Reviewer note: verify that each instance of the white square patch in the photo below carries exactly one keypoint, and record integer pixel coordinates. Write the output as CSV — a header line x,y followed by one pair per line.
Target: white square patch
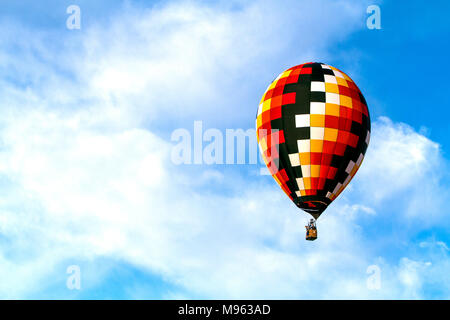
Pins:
x,y
318,86
317,108
350,166
302,120
295,159
306,171
330,79
304,145
317,133
338,74
331,97
368,137
300,184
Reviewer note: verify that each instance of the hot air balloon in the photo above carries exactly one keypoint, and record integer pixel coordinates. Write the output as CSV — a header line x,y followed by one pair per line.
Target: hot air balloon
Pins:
x,y
313,129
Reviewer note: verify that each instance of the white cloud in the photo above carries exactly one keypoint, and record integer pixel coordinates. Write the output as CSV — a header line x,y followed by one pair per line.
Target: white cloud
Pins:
x,y
86,171
404,154
402,164
172,64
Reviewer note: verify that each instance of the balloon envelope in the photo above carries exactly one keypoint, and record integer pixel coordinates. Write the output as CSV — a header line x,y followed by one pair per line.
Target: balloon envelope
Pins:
x,y
313,129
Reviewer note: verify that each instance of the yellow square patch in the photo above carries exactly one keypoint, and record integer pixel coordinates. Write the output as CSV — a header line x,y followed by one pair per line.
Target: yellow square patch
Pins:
x,y
332,109
346,101
305,158
272,85
317,120
331,87
285,74
259,122
266,105
307,183
342,82
316,145
315,171
331,134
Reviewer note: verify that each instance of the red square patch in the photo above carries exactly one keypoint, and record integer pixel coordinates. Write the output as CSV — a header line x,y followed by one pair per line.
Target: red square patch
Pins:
x,y
288,98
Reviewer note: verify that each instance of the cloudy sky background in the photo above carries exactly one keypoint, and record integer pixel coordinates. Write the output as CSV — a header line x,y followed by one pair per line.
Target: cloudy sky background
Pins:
x,y
86,176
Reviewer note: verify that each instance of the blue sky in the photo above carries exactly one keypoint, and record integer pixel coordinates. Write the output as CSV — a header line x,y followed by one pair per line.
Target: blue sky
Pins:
x,y
86,176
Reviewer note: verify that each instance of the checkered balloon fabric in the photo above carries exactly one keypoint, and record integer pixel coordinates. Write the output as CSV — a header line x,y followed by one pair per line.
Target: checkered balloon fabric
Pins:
x,y
313,129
